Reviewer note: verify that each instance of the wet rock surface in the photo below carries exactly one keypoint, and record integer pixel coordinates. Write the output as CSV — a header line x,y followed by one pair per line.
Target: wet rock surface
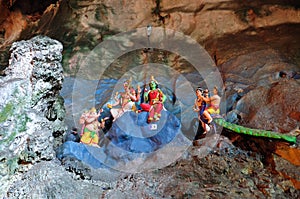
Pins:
x,y
32,112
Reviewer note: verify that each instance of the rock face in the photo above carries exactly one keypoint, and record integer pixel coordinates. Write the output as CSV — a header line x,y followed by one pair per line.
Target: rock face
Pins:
x,y
49,180
217,175
32,112
257,95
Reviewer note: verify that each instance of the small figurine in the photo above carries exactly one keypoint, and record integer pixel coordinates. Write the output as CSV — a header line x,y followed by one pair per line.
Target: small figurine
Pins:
x,y
155,99
90,127
200,106
126,100
214,103
105,119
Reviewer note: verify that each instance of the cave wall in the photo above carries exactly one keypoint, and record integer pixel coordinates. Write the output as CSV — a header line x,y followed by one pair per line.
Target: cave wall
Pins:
x,y
80,25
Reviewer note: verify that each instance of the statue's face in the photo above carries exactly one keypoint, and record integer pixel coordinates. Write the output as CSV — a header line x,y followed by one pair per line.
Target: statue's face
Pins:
x,y
152,85
93,113
132,90
198,93
215,91
125,85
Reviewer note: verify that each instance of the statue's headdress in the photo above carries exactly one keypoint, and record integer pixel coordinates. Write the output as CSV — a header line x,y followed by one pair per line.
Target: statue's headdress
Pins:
x,y
199,89
128,82
152,79
93,110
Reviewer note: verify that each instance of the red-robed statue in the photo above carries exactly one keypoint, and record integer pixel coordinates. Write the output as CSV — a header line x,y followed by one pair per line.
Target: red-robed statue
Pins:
x,y
155,99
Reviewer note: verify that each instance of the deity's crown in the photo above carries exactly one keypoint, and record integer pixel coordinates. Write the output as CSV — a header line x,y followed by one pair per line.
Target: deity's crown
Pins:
x,y
152,79
93,110
128,81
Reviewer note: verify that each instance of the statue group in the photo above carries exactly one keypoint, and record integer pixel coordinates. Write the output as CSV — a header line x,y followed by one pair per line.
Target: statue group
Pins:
x,y
129,99
151,100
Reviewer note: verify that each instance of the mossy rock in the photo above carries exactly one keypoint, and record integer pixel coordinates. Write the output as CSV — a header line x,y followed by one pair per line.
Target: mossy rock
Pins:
x,y
6,112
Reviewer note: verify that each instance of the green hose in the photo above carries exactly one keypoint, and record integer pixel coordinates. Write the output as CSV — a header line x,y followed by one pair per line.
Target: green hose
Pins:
x,y
254,132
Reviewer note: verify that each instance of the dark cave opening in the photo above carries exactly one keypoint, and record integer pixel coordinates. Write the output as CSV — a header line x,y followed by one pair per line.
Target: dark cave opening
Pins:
x,y
28,7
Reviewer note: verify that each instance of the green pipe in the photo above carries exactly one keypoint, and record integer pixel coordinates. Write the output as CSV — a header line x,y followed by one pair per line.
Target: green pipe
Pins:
x,y
254,132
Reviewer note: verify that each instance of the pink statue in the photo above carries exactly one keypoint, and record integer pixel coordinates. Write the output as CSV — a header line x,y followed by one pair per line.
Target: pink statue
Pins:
x,y
126,100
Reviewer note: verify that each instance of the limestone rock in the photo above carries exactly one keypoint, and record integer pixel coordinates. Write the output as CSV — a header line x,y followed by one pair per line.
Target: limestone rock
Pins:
x,y
233,175
49,180
256,96
32,113
272,107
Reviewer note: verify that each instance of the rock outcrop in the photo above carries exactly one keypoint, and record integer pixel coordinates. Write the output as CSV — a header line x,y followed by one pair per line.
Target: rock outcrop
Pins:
x,y
32,112
49,180
257,95
227,172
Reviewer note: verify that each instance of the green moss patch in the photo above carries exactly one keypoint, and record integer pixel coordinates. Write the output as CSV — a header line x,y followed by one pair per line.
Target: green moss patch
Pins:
x,y
6,112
